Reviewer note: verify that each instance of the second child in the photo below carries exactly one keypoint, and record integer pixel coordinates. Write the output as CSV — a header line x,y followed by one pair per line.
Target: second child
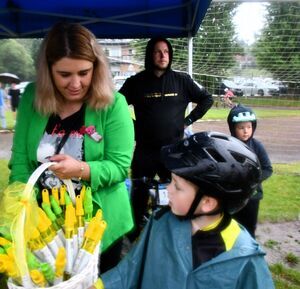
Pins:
x,y
242,123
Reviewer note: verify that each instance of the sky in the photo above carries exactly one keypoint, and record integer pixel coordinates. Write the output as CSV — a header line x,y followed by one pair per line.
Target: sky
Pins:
x,y
249,20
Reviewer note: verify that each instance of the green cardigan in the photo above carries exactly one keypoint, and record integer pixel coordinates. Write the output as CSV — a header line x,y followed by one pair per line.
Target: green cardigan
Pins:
x,y
109,160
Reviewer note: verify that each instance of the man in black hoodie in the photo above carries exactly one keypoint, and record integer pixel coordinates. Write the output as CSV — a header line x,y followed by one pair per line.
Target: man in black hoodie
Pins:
x,y
160,97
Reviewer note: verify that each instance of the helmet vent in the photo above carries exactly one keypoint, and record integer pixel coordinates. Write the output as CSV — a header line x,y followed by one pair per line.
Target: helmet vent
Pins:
x,y
190,158
215,155
238,157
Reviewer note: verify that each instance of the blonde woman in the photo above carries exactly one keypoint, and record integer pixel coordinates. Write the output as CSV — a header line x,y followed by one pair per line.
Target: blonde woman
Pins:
x,y
72,116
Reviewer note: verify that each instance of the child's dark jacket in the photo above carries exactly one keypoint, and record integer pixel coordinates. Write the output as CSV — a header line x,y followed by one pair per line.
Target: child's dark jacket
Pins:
x,y
265,163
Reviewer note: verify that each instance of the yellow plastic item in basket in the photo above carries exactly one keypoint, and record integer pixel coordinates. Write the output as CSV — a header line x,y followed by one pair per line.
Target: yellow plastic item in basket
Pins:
x,y
19,212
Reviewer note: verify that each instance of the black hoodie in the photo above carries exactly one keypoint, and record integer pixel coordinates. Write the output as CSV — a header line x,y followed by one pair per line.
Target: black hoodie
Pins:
x,y
160,102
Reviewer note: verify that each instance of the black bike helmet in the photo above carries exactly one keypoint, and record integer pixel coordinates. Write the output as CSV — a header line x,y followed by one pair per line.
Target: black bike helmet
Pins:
x,y
241,113
220,165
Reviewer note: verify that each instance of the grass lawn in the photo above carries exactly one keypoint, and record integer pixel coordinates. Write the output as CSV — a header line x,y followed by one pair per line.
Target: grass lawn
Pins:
x,y
265,101
9,119
261,112
281,200
222,113
280,102
4,175
285,278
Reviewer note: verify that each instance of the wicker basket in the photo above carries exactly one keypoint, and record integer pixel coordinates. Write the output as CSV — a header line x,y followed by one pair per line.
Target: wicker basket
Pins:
x,y
86,277
83,280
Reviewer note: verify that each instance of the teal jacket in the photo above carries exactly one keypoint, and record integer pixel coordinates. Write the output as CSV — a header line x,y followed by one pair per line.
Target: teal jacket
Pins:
x,y
162,259
109,160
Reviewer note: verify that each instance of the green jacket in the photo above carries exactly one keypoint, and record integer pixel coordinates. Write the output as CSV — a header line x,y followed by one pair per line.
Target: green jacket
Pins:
x,y
109,159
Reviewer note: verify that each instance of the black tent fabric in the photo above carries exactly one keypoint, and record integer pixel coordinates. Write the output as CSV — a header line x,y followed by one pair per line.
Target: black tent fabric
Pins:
x,y
106,19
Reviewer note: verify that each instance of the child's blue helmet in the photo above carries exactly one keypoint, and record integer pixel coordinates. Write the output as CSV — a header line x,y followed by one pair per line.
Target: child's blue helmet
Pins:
x,y
220,165
241,113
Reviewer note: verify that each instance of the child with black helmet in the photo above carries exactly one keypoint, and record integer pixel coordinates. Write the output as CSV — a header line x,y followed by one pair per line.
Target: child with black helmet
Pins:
x,y
242,123
196,243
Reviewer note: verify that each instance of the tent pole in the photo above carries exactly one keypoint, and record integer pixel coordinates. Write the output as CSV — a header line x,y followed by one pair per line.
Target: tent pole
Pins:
x,y
190,64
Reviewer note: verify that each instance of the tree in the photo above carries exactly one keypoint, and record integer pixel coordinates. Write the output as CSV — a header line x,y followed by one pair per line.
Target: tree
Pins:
x,y
278,49
32,46
216,43
15,59
214,46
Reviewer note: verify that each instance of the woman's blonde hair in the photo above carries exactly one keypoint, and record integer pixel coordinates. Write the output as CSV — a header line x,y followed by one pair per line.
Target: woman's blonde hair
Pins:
x,y
74,41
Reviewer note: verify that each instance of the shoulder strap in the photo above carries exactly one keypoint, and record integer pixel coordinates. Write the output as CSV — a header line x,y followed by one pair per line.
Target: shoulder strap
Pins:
x,y
62,142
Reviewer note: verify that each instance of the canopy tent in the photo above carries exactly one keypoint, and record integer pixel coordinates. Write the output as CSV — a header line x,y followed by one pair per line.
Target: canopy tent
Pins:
x,y
106,19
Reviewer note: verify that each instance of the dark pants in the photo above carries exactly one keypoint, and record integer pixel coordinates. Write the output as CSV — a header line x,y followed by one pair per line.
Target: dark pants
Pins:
x,y
146,163
248,216
111,257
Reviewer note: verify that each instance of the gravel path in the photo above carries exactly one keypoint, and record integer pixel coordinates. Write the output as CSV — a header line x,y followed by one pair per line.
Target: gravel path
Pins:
x,y
6,138
278,240
280,136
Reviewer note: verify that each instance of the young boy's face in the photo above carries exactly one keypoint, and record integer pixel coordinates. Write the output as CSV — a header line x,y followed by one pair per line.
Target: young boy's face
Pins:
x,y
243,130
181,195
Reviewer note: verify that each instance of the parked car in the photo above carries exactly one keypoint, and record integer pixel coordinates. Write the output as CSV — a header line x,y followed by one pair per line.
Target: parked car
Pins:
x,y
252,88
235,88
283,88
119,81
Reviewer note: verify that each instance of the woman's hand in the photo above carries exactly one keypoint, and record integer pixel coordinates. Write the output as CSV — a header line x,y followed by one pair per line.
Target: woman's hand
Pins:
x,y
67,167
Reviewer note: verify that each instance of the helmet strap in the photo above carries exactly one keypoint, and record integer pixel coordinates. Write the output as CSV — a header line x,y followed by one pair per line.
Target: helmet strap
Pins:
x,y
191,213
194,205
